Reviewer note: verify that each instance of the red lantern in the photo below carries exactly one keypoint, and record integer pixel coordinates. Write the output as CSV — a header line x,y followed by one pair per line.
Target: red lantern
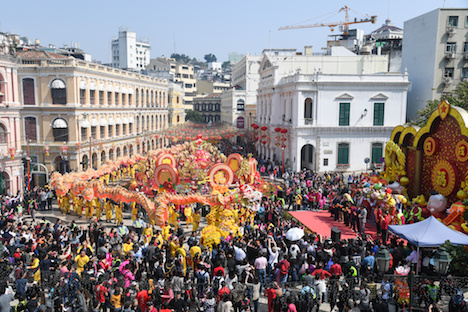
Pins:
x,y
264,128
277,129
12,153
284,131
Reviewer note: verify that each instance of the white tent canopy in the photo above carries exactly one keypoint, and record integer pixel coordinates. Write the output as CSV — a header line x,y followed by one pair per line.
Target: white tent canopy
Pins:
x,y
429,233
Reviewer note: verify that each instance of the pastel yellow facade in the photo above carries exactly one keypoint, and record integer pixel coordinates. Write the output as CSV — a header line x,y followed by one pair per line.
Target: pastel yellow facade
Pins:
x,y
176,105
75,110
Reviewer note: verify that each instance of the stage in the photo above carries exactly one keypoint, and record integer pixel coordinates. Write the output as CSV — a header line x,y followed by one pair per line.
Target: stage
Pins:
x,y
321,222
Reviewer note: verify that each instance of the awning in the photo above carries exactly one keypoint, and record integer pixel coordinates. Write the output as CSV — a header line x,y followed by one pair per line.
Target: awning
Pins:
x,y
110,88
103,122
117,89
124,90
92,86
58,84
94,122
102,87
118,121
85,124
59,123
111,121
125,121
83,85
130,90
131,120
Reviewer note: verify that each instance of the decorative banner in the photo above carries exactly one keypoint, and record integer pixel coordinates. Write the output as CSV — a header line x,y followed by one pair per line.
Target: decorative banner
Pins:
x,y
166,173
64,150
444,108
166,158
444,177
47,151
12,153
461,151
430,146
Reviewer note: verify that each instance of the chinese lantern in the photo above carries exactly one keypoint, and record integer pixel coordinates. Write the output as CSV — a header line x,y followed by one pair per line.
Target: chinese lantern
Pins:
x,y
284,131
47,151
78,146
278,129
12,153
264,128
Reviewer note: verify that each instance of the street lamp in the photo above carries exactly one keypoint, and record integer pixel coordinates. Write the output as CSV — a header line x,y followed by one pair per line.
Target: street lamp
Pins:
x,y
441,261
382,259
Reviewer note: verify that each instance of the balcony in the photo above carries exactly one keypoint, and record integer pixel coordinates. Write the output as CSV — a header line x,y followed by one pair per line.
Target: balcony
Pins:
x,y
308,121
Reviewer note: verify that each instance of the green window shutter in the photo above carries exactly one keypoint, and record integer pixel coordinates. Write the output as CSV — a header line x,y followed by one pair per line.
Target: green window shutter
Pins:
x,y
344,114
377,151
379,110
343,154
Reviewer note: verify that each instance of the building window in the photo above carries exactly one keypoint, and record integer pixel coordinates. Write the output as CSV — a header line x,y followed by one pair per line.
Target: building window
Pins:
x,y
343,154
379,113
448,72
93,132
102,132
130,99
344,114
101,97
59,92
240,105
109,98
28,92
464,73
452,21
377,150
109,131
82,96
3,135
466,21
325,161
117,130
137,123
451,47
117,97
30,128
92,95
60,130
308,108
83,134
465,47
130,128
203,107
124,129
137,96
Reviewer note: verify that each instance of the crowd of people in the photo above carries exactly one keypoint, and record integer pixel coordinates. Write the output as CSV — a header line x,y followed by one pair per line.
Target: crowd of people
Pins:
x,y
61,266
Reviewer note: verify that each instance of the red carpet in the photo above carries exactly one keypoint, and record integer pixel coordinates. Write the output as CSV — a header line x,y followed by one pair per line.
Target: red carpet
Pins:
x,y
321,222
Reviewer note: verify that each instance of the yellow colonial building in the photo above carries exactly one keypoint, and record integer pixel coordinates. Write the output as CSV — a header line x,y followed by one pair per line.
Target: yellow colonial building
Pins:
x,y
75,110
176,104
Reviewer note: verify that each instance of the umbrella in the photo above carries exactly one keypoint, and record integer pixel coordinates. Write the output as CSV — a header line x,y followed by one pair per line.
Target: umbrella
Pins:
x,y
294,234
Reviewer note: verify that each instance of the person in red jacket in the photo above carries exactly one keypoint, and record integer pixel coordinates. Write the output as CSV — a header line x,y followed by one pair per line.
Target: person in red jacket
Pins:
x,y
385,221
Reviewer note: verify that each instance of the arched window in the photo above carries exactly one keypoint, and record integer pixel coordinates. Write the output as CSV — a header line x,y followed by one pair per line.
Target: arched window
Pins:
x,y
111,154
137,97
59,92
30,128
137,124
125,151
29,97
60,130
2,88
3,134
118,152
308,108
103,157
84,162
240,105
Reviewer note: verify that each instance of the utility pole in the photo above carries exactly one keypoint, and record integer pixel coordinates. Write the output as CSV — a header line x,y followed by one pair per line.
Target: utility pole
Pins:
x,y
28,159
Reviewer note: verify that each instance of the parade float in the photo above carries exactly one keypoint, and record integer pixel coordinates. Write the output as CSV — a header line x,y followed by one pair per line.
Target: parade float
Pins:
x,y
163,180
429,165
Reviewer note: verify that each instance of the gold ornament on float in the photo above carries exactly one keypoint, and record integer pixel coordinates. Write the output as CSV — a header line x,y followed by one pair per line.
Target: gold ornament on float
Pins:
x,y
443,177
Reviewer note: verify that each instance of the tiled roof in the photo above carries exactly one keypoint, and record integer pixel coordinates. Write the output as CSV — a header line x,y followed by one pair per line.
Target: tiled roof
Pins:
x,y
34,54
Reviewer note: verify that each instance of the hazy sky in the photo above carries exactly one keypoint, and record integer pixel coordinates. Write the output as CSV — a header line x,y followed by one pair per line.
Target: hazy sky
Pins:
x,y
197,27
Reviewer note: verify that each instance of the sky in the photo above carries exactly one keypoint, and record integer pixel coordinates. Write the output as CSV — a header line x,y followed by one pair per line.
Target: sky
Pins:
x,y
198,27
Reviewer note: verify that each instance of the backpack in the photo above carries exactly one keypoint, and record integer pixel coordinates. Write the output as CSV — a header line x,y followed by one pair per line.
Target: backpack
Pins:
x,y
458,299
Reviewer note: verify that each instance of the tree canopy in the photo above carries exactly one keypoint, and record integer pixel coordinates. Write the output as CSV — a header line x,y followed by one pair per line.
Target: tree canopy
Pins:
x,y
192,115
210,58
458,97
182,58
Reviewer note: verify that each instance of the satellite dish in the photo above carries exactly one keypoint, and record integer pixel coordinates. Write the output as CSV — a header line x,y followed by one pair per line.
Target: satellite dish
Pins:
x,y
367,160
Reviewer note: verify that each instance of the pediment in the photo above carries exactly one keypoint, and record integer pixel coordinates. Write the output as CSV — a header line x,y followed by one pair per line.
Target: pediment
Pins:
x,y
345,96
379,96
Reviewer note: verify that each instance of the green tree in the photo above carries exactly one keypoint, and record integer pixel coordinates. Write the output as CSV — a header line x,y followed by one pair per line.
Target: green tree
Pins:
x,y
192,115
226,64
458,97
459,264
182,58
210,58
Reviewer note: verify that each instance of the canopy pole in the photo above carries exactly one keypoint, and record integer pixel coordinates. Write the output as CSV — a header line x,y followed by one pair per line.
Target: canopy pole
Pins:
x,y
417,260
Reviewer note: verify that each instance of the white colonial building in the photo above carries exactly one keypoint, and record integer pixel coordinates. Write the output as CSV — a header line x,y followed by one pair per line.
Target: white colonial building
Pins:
x,y
239,104
338,110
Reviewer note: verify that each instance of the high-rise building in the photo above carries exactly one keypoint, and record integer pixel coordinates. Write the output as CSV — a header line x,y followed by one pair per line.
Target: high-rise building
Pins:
x,y
130,53
435,54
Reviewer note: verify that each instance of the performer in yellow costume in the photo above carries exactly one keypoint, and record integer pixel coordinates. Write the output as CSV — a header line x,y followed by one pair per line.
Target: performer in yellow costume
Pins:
x,y
173,216
148,233
108,211
165,231
134,211
118,213
182,257
132,171
188,215
195,221
113,175
98,209
78,204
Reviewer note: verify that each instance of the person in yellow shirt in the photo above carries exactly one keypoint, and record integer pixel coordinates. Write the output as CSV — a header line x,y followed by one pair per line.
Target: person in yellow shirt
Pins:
x,y
128,245
173,246
165,231
182,257
147,233
159,239
188,215
195,221
134,211
35,268
84,246
118,213
108,211
81,260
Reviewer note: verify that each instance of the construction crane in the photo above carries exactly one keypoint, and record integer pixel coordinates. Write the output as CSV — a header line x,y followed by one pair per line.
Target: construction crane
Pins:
x,y
345,24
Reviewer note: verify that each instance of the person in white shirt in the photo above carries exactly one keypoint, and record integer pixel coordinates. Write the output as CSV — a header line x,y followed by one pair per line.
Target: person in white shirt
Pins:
x,y
274,254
